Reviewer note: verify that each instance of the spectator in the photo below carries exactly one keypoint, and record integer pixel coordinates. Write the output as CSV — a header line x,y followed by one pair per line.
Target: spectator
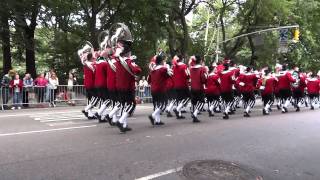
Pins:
x,y
27,85
40,87
16,86
71,82
142,87
5,82
47,76
53,87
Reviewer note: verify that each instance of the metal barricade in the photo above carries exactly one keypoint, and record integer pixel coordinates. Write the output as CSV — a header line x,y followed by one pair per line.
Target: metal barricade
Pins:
x,y
143,95
38,96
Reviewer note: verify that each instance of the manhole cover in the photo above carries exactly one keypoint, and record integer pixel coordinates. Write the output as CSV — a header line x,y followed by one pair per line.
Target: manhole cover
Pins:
x,y
217,170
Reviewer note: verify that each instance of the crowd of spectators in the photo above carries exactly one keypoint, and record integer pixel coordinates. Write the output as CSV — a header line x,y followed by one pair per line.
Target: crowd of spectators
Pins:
x,y
44,89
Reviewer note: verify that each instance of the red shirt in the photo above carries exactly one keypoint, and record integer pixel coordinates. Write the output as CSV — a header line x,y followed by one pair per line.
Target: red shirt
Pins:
x,y
100,80
157,78
313,85
124,80
213,85
180,76
198,77
268,83
285,80
12,86
226,81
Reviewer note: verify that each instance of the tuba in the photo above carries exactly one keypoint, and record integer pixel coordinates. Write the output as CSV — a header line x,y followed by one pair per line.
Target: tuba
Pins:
x,y
86,48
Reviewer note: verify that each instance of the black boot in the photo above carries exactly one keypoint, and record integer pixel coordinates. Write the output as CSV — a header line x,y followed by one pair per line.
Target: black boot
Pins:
x,y
151,120
195,119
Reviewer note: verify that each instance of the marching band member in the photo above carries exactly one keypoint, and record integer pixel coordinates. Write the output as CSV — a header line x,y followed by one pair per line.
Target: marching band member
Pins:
x,y
213,90
198,78
284,84
157,76
267,84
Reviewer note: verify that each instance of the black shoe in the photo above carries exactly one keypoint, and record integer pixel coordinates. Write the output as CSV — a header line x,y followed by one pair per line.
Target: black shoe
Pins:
x,y
98,116
85,113
110,120
211,114
127,128
181,117
176,112
225,115
270,110
264,112
278,107
286,109
159,123
298,109
195,119
169,114
246,114
151,120
91,117
312,108
120,126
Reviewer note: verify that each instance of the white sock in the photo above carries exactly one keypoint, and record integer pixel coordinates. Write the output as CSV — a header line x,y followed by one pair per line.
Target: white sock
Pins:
x,y
179,107
114,118
157,111
266,108
123,119
211,108
299,104
90,113
114,111
169,108
102,108
227,109
195,113
248,109
286,104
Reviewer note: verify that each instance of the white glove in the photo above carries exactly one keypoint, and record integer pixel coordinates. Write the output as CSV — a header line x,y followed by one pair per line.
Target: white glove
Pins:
x,y
241,84
262,87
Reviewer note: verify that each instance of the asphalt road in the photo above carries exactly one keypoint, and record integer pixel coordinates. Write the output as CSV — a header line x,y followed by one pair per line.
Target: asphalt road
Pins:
x,y
60,144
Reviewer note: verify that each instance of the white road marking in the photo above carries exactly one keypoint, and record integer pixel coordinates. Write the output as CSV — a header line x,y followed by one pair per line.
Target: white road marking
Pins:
x,y
37,114
159,174
62,119
46,130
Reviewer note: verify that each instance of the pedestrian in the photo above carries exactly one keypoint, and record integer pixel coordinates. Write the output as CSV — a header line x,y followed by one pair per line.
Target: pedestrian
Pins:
x,y
71,82
5,92
53,88
27,86
16,87
40,87
142,86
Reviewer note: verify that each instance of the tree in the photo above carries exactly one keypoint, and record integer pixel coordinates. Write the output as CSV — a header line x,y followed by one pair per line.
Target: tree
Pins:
x,y
5,36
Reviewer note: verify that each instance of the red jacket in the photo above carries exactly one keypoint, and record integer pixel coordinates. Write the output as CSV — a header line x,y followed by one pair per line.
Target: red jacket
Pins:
x,y
284,80
111,76
180,76
100,76
247,82
124,80
213,85
158,79
19,85
226,81
268,83
313,86
198,77
88,80
169,83
302,84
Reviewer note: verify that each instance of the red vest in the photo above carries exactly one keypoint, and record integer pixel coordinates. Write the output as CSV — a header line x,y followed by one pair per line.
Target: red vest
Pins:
x,y
198,77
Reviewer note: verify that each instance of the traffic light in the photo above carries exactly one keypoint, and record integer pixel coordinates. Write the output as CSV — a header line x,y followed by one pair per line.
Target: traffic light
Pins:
x,y
296,35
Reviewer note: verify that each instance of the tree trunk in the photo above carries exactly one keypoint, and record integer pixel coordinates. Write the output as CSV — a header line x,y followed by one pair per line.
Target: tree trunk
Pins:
x,y
30,52
185,42
93,31
5,36
253,51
